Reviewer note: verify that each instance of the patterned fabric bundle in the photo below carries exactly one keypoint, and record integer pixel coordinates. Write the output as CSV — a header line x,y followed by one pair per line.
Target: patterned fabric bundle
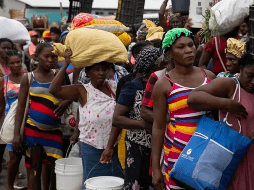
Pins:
x,y
146,59
82,19
173,35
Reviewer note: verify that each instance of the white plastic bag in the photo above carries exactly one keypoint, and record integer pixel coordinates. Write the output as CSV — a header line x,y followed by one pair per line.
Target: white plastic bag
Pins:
x,y
229,14
7,130
13,30
75,151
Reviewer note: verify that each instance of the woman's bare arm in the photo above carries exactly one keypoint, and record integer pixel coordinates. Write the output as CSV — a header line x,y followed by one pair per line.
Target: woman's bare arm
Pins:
x,y
71,92
216,95
163,20
121,119
160,109
204,59
23,93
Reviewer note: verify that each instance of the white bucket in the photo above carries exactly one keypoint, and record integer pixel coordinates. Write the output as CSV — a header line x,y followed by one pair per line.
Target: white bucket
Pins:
x,y
69,174
104,183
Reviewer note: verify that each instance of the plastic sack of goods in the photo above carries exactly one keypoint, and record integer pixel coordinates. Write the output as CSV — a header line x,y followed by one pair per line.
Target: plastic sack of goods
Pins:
x,y
90,46
228,14
13,30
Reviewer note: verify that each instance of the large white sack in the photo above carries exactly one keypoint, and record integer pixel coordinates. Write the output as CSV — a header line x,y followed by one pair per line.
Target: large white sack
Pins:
x,y
229,14
13,30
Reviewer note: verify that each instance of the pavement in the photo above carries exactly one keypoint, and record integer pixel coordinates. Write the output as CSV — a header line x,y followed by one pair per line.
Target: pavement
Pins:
x,y
3,175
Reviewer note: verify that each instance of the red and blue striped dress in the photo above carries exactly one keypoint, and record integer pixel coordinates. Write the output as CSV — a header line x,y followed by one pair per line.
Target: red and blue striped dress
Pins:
x,y
42,126
183,123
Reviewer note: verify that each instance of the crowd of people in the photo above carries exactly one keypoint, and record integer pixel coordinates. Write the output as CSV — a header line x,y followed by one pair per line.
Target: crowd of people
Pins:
x,y
132,120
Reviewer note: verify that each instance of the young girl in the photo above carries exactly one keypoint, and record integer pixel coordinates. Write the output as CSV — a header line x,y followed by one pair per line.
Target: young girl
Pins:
x,y
5,46
42,132
9,86
170,95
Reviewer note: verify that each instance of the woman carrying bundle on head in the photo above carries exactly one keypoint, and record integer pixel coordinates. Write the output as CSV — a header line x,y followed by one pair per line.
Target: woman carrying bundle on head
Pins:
x,y
96,106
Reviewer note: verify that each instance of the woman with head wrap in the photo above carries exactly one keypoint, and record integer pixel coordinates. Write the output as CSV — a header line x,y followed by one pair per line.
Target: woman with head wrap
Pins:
x,y
217,44
234,51
127,116
170,95
142,32
63,36
96,106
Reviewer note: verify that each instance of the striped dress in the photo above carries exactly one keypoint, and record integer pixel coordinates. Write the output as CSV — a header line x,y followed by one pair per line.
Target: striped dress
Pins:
x,y
183,123
42,127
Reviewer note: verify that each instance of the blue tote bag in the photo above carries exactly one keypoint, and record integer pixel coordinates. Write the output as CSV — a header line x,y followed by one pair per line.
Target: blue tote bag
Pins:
x,y
211,157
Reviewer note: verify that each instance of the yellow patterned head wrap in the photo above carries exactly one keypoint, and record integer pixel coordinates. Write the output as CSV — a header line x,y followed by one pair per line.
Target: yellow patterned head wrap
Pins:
x,y
235,47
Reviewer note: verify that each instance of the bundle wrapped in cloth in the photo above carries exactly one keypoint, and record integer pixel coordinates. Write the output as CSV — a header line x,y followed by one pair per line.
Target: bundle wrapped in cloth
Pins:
x,y
90,46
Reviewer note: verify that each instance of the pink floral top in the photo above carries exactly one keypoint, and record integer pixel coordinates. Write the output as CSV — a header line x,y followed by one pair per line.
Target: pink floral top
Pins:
x,y
8,71
96,116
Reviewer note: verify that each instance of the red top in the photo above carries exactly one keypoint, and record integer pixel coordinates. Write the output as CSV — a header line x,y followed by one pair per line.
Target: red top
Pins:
x,y
244,174
147,99
211,48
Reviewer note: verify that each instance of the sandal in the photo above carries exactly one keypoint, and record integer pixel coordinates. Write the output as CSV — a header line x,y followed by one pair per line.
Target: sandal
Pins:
x,y
19,185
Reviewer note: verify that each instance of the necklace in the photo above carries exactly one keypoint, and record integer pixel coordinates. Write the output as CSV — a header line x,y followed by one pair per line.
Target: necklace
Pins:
x,y
41,79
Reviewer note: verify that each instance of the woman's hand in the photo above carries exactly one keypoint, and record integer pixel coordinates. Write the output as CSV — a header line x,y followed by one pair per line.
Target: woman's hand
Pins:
x,y
158,180
67,56
252,137
16,143
74,137
62,106
106,156
236,109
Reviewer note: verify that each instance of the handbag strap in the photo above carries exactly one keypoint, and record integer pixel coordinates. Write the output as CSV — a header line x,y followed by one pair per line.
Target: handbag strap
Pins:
x,y
29,75
6,88
2,69
217,50
239,100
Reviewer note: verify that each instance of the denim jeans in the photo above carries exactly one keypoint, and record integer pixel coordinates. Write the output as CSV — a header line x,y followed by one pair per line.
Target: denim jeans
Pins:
x,y
90,159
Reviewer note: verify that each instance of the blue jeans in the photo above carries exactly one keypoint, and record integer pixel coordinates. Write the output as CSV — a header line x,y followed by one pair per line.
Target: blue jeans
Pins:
x,y
91,157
